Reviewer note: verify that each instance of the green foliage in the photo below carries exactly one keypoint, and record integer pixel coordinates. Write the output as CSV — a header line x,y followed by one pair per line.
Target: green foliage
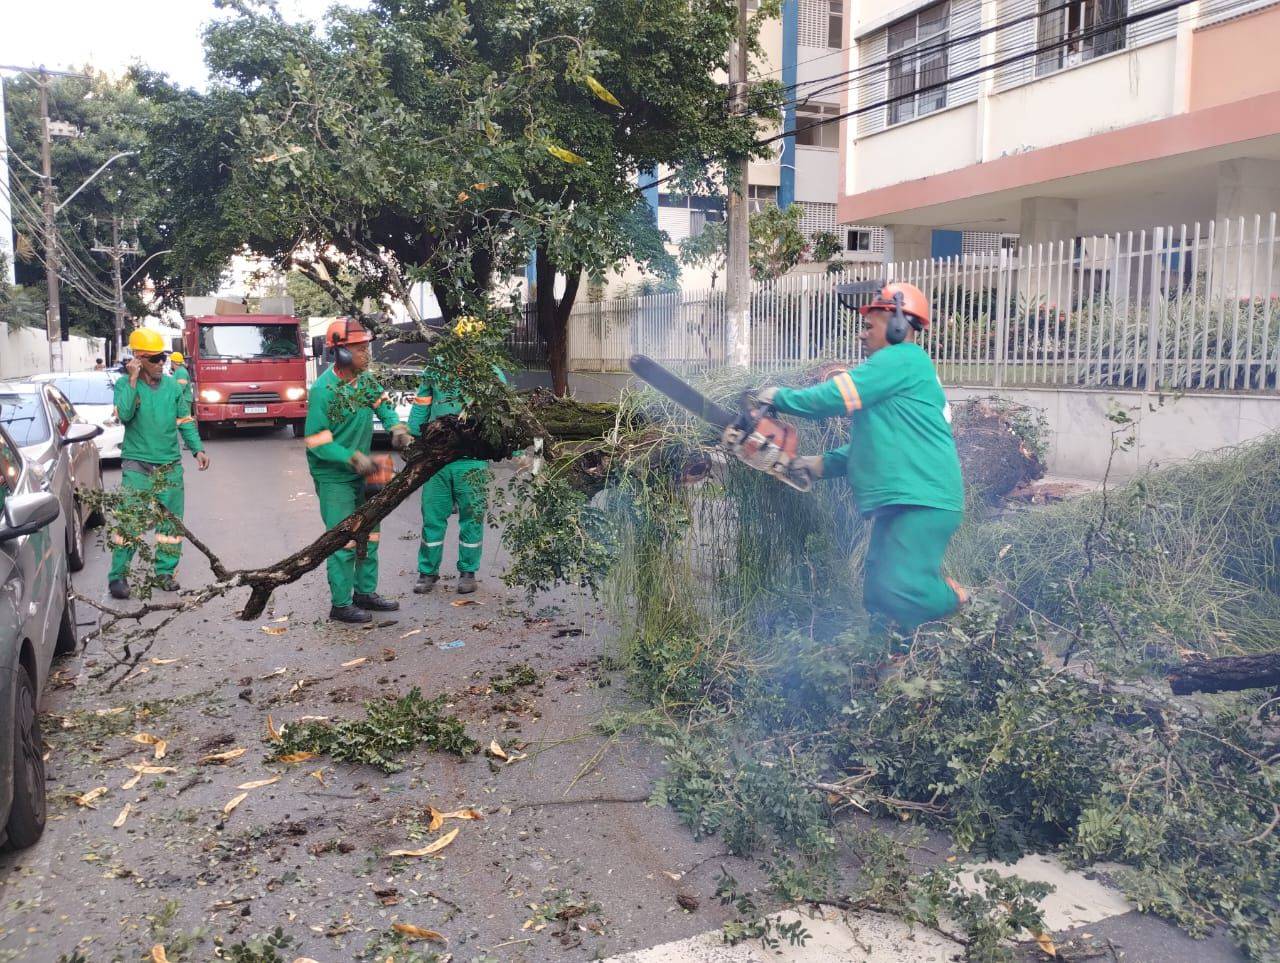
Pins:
x,y
260,949
749,923
20,307
390,945
777,244
516,676
391,727
131,517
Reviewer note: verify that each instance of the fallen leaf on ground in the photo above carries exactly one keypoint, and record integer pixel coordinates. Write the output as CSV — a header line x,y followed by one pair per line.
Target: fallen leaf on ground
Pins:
x,y
305,959
318,775
430,848
258,783
163,661
272,674
273,733
110,712
418,933
458,603
281,618
224,756
144,770
437,819
467,813
496,750
354,662
1045,943
274,629
124,814
296,757
147,739
236,801
87,798
158,954
411,632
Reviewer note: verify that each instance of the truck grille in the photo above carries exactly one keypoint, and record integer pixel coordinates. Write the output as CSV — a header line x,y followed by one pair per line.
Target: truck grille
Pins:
x,y
254,398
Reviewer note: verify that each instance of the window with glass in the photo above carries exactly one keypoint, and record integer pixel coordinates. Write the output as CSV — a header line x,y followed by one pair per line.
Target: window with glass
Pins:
x,y
918,64
249,342
88,391
760,196
816,125
702,210
857,239
23,416
835,24
1078,33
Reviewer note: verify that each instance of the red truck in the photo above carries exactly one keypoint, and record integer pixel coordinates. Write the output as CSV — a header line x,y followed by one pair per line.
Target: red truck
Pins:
x,y
247,371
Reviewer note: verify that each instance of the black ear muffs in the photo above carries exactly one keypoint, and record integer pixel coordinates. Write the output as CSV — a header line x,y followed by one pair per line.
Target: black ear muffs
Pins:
x,y
895,330
342,356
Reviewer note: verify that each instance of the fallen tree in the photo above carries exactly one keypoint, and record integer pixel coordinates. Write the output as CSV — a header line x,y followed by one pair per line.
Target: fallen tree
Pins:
x,y
1231,673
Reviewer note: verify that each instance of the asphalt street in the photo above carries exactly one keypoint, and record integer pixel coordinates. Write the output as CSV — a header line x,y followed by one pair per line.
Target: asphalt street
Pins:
x,y
568,863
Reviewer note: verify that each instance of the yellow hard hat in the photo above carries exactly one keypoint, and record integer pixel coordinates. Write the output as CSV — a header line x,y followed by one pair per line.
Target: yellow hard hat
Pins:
x,y
176,357
146,341
468,324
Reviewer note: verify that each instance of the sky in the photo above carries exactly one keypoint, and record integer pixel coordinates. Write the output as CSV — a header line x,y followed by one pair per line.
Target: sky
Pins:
x,y
112,34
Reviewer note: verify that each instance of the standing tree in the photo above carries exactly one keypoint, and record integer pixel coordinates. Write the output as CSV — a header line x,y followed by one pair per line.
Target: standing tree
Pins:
x,y
777,245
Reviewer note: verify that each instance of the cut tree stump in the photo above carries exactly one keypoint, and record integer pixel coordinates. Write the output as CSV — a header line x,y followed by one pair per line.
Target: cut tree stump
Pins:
x,y
1227,674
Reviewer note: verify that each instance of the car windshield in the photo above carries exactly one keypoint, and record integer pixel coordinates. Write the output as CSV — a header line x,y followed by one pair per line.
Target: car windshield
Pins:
x,y
87,391
23,415
249,341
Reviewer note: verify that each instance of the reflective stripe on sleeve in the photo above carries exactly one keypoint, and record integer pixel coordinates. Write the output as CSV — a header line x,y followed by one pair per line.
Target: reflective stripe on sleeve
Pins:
x,y
422,400
162,539
185,420
375,536
847,390
319,438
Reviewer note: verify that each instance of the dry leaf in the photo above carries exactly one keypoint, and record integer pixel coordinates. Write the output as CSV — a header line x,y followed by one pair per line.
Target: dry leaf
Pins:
x,y
318,775
568,156
141,770
458,603
305,959
411,632
236,801
437,820
224,756
296,757
273,733
131,781
430,848
258,783
355,662
272,674
163,661
496,750
462,196
281,618
600,91
87,798
418,933
1005,551
110,712
1046,944
467,813
124,814
158,954
147,739
274,629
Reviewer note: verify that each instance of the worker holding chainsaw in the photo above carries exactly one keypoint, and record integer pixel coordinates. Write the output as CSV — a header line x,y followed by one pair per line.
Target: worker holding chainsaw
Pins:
x,y
155,411
460,486
339,436
900,459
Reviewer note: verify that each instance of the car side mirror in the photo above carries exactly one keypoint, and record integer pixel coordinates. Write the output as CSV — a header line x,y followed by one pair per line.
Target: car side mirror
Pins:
x,y
79,433
25,514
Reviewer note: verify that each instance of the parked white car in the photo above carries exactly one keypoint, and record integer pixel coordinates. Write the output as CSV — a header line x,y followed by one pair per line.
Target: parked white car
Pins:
x,y
92,393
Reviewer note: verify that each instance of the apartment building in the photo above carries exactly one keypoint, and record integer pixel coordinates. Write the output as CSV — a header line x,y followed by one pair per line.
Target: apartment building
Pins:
x,y
980,121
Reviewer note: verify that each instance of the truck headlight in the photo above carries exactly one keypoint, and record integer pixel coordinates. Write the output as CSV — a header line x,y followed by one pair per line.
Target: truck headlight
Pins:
x,y
210,395
295,394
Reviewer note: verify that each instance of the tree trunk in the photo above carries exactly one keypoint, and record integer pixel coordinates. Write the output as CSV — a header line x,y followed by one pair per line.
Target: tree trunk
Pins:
x,y
1228,674
553,317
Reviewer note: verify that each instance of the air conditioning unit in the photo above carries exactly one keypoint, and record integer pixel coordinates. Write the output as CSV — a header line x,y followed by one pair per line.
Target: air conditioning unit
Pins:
x,y
1073,59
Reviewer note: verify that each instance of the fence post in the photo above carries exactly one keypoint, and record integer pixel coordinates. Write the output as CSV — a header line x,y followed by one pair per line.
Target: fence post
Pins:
x,y
1153,308
998,356
805,319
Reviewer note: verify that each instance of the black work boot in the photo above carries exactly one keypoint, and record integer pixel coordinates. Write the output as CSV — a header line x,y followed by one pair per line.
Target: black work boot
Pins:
x,y
168,584
118,588
466,583
425,584
373,602
349,614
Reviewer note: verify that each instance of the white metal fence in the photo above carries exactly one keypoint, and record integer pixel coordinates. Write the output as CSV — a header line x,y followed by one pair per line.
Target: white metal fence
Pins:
x,y
1193,307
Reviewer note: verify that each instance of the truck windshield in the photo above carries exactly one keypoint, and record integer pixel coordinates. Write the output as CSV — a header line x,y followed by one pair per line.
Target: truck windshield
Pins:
x,y
249,341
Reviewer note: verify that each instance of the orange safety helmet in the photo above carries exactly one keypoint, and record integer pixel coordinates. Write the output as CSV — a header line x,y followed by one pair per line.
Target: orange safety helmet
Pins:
x,y
346,331
911,299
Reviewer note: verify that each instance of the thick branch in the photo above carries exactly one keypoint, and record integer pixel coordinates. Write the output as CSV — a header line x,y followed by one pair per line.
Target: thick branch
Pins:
x,y
1228,674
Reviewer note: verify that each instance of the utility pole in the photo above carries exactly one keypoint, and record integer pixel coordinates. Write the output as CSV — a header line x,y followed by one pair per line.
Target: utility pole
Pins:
x,y
116,252
738,268
53,316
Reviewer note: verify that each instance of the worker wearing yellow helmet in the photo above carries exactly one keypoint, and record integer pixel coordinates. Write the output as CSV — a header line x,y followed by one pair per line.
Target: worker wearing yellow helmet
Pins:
x,y
461,485
155,411
181,375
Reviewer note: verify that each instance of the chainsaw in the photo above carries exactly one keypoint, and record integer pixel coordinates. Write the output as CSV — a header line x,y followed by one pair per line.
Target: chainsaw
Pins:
x,y
754,435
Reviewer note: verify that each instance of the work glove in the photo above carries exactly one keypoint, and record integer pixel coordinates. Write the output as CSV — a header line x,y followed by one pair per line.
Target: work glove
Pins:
x,y
400,437
363,464
764,396
810,463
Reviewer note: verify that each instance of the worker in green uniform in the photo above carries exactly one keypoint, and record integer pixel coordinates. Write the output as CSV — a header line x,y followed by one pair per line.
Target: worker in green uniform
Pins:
x,y
461,485
900,460
154,410
182,375
339,434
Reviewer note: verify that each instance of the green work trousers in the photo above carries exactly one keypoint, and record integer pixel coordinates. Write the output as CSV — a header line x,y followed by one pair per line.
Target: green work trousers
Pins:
x,y
902,580
462,485
349,569
168,541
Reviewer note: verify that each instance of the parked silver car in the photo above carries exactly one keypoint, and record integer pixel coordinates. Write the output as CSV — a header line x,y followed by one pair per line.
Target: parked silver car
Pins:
x,y
37,619
52,434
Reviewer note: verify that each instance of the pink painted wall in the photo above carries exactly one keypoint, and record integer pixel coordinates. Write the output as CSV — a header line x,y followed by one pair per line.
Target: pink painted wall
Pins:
x,y
1235,60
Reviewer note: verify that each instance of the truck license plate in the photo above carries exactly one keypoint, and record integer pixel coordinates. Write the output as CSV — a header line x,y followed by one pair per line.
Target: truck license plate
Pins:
x,y
255,409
